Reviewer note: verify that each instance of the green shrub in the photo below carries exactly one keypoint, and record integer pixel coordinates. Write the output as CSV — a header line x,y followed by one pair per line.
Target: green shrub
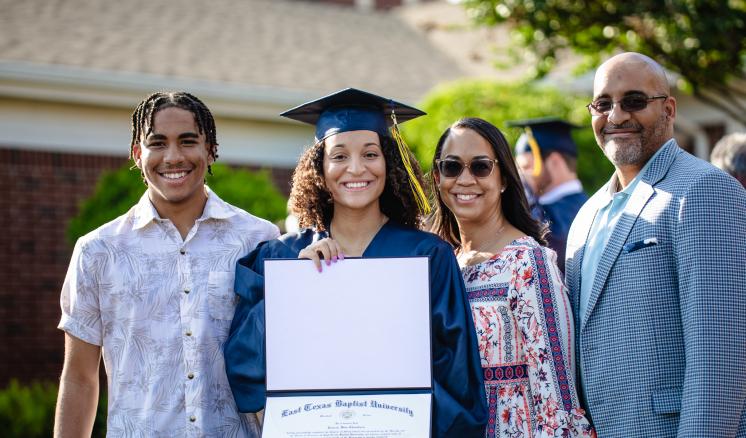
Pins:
x,y
498,103
118,190
28,411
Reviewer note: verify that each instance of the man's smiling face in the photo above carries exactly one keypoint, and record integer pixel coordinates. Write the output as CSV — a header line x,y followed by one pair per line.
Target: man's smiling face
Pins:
x,y
173,158
631,138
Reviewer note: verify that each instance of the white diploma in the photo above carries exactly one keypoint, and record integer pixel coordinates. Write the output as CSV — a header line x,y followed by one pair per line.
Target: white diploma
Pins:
x,y
359,416
361,324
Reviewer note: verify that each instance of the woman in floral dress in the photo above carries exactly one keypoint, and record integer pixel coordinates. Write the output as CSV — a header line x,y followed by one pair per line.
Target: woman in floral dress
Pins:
x,y
520,307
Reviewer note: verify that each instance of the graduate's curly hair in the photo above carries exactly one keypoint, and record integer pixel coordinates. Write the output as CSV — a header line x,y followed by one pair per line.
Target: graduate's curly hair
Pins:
x,y
312,202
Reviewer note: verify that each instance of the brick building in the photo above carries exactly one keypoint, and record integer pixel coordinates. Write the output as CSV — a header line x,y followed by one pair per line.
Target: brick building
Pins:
x,y
72,71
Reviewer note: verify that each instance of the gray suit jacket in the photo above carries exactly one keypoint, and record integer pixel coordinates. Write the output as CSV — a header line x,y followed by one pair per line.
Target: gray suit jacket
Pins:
x,y
663,342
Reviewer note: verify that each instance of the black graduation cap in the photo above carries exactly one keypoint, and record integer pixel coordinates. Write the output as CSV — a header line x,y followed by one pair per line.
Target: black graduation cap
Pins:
x,y
550,133
352,110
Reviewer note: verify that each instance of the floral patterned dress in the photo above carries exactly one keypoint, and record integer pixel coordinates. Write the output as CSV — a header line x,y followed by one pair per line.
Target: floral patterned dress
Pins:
x,y
524,326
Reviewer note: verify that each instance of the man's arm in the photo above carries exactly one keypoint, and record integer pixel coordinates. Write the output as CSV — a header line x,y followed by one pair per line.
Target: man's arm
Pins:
x,y
711,256
78,395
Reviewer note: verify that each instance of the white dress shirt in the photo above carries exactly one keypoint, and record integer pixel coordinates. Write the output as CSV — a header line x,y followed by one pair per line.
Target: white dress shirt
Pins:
x,y
565,189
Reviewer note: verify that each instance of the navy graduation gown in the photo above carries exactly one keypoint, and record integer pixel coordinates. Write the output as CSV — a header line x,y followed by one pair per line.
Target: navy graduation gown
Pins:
x,y
560,215
459,399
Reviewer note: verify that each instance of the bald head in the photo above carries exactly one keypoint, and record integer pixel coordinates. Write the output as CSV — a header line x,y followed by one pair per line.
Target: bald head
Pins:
x,y
639,64
630,132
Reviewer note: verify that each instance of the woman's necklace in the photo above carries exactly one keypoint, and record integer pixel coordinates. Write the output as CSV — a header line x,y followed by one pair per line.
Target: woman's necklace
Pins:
x,y
357,250
482,252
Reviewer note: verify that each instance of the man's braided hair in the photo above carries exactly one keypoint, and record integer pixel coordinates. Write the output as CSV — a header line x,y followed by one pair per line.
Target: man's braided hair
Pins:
x,y
142,118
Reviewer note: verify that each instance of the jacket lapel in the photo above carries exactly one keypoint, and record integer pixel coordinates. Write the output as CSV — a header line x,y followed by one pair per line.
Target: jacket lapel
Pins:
x,y
639,198
632,210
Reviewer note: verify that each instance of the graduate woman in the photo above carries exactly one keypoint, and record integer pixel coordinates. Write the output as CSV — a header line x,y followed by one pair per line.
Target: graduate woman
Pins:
x,y
357,193
519,304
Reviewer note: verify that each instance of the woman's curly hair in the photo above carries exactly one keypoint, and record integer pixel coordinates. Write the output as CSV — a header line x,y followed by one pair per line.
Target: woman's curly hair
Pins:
x,y
312,202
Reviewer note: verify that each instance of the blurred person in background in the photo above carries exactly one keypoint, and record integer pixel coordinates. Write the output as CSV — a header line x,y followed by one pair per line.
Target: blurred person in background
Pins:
x,y
729,154
547,158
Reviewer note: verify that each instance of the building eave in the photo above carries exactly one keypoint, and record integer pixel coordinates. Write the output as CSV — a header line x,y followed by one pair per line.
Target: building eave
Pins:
x,y
74,85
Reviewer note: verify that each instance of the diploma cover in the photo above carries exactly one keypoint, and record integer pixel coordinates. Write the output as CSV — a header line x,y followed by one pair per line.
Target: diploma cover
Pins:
x,y
348,349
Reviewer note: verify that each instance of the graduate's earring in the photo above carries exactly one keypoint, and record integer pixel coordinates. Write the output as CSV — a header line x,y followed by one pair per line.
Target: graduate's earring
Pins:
x,y
502,190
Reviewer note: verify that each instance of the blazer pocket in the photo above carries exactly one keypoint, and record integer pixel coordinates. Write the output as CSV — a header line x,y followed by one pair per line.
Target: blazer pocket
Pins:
x,y
667,401
640,244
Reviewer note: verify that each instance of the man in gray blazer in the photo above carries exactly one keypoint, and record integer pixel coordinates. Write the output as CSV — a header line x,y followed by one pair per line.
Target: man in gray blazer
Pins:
x,y
656,268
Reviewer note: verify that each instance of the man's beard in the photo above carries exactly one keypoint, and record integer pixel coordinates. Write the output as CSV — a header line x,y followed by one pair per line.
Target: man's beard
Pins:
x,y
635,151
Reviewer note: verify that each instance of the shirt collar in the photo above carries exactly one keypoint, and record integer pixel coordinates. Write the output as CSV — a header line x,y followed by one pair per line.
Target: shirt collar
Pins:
x,y
215,208
562,190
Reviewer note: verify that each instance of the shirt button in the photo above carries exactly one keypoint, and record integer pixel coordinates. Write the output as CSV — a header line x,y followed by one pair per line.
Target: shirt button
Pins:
x,y
190,376
192,418
182,251
187,290
188,333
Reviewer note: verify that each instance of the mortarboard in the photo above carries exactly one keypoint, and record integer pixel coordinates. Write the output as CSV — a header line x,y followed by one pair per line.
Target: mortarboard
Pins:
x,y
545,135
351,109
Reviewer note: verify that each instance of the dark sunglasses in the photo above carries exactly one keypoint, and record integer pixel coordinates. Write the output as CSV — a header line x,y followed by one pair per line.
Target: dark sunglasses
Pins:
x,y
479,167
630,104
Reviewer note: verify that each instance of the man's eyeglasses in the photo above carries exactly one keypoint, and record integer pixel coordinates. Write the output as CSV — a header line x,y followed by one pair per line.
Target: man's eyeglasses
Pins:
x,y
479,167
630,104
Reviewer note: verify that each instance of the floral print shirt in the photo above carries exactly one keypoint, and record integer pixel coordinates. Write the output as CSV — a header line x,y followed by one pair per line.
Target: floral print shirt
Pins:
x,y
524,328
161,307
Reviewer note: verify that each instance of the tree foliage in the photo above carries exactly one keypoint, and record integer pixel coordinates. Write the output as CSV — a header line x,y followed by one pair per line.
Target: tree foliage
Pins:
x,y
117,191
703,41
498,103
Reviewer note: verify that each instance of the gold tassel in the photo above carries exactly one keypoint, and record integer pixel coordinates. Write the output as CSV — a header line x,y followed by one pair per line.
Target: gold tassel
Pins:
x,y
535,151
419,194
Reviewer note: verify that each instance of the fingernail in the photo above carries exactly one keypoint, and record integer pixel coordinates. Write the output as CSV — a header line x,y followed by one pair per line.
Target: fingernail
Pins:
x,y
341,256
334,259
328,262
319,268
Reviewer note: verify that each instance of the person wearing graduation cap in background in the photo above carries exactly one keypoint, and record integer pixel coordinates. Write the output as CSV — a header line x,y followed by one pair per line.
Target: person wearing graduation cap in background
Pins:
x,y
357,192
547,157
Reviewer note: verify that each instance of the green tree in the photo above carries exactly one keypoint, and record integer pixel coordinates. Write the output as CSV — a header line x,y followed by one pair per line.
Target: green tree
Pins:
x,y
703,41
498,103
118,190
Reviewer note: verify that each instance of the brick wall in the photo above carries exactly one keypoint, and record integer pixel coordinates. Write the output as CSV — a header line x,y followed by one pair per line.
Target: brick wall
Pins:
x,y
40,192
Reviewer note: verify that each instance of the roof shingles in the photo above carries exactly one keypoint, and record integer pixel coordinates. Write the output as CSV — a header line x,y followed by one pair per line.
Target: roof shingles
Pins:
x,y
282,44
